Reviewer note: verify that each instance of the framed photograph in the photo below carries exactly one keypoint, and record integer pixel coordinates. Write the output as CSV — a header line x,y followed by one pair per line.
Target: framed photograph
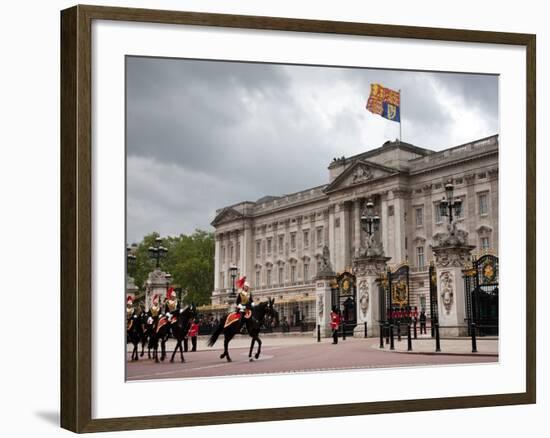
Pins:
x,y
315,218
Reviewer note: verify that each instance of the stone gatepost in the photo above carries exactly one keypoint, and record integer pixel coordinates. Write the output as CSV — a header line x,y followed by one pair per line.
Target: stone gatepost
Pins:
x,y
324,281
367,270
131,288
157,283
323,300
450,260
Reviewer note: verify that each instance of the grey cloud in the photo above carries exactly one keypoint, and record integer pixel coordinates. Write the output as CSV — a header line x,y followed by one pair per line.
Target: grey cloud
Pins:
x,y
202,135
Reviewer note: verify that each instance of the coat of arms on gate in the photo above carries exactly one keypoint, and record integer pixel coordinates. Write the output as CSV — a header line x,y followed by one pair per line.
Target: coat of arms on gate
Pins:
x,y
400,293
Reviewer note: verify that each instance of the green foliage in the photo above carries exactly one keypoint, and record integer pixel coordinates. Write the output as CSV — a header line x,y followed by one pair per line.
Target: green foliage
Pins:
x,y
190,261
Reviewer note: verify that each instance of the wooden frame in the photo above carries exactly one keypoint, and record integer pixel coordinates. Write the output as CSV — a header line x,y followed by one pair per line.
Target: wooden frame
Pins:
x,y
76,214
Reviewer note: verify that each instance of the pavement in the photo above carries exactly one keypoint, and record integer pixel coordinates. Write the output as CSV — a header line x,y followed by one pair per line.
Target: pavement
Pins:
x,y
300,352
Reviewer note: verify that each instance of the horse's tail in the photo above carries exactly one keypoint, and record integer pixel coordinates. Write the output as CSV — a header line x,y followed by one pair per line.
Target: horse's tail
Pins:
x,y
216,334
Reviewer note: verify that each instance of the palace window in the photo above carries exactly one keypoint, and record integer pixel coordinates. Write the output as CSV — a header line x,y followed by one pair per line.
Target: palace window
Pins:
x,y
483,204
292,241
257,278
318,266
269,278
223,255
306,239
320,236
437,213
420,262
293,274
306,272
484,243
222,281
231,253
258,248
281,275
269,246
422,302
281,243
419,215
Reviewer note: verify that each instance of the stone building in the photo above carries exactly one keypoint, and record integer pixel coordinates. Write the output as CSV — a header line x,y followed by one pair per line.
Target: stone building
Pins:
x,y
278,241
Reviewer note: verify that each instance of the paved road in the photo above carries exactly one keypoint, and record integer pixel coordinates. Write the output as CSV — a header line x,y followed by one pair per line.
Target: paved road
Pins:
x,y
302,354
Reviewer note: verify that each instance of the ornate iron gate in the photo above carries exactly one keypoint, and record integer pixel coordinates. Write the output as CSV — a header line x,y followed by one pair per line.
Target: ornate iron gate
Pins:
x,y
344,296
433,296
481,289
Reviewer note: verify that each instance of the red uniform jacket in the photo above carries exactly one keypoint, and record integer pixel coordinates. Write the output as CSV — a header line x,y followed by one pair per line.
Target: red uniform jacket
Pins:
x,y
193,330
335,320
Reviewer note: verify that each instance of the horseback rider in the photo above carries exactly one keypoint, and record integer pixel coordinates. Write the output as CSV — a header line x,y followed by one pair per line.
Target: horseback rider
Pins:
x,y
171,304
154,310
129,307
244,299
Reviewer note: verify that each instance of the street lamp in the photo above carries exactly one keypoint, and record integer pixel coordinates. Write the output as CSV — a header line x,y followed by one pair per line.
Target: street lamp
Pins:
x,y
158,251
233,273
369,219
450,205
130,259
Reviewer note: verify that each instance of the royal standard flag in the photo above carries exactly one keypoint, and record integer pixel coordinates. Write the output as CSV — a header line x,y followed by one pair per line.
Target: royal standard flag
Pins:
x,y
384,102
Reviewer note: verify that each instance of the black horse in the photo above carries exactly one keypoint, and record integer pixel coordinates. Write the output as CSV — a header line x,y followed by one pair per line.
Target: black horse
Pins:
x,y
147,326
159,333
134,332
253,325
180,328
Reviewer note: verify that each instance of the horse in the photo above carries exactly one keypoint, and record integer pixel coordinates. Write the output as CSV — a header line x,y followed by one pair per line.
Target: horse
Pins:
x,y
180,328
134,330
160,332
253,325
146,331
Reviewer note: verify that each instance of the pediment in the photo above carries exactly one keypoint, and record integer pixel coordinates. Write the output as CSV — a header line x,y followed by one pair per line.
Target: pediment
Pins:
x,y
358,173
226,215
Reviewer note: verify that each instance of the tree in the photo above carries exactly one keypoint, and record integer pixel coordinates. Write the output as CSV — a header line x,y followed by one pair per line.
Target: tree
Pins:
x,y
190,261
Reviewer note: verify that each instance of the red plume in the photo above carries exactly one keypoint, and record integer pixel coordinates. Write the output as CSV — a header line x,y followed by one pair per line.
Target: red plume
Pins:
x,y
129,299
240,282
169,292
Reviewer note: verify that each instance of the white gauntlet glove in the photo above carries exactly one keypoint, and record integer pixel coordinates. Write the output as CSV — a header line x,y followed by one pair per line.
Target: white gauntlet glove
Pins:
x,y
241,307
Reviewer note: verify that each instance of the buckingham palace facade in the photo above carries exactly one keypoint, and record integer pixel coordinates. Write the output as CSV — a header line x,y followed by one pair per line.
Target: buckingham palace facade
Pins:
x,y
278,241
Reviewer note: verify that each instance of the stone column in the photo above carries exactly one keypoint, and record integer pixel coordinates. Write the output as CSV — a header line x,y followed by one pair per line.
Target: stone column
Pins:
x,y
367,270
384,226
323,300
450,260
156,283
217,263
356,226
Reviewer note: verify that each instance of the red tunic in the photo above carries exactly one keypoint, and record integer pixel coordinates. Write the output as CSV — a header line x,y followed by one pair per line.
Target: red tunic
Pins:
x,y
334,320
193,330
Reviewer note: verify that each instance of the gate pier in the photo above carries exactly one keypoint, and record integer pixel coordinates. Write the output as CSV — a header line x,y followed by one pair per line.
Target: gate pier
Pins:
x,y
450,260
368,270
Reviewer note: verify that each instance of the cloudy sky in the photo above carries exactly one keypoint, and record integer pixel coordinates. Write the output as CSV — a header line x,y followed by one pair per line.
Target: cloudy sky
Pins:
x,y
202,135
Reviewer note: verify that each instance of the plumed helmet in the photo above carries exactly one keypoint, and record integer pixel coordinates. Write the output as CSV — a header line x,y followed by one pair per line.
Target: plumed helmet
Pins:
x,y
246,284
129,299
170,293
240,283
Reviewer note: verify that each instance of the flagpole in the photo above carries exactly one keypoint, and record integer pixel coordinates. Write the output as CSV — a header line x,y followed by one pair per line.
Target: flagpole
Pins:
x,y
400,112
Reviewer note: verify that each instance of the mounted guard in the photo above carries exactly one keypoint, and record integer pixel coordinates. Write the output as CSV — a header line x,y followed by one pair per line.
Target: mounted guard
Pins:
x,y
171,305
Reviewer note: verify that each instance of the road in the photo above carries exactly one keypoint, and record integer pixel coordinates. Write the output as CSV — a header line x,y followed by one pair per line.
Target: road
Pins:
x,y
304,354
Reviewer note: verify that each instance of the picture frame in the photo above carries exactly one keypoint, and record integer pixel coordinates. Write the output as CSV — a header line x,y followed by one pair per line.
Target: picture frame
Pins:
x,y
76,217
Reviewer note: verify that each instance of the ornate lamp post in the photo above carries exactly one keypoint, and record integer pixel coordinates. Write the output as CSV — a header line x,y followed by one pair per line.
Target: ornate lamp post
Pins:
x,y
130,260
158,251
233,273
449,205
370,222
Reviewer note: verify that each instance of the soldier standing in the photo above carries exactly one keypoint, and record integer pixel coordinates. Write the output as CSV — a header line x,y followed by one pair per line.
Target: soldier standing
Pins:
x,y
335,320
422,320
